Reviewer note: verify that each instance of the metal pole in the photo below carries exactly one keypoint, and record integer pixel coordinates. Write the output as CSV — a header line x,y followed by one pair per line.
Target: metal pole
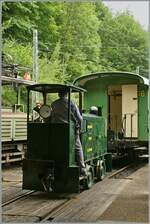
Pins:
x,y
0,69
28,104
35,63
80,102
125,117
138,70
131,124
35,55
69,105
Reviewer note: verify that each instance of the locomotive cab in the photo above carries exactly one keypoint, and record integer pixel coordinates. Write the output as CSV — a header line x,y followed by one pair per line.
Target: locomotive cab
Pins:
x,y
50,163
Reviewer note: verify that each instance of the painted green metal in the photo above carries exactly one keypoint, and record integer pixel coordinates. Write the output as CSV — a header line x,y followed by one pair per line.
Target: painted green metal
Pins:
x,y
50,144
94,140
51,148
72,161
117,76
46,141
94,99
97,87
143,112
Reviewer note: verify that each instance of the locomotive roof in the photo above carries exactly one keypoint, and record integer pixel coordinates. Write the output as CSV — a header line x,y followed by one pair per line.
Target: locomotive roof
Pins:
x,y
81,81
54,88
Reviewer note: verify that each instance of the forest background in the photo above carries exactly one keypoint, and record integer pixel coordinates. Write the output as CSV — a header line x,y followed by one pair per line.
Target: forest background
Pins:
x,y
74,39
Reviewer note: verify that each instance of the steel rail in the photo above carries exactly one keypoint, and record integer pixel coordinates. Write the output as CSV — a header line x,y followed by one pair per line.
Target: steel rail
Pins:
x,y
16,198
119,171
48,216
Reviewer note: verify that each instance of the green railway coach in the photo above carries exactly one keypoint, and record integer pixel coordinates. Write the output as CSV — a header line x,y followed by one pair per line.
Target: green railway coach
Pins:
x,y
123,99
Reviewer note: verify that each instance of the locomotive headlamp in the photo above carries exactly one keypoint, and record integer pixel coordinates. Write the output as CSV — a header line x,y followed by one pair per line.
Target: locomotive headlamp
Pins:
x,y
45,111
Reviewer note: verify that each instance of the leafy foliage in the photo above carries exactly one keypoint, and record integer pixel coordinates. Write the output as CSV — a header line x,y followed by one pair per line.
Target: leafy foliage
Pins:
x,y
74,39
125,44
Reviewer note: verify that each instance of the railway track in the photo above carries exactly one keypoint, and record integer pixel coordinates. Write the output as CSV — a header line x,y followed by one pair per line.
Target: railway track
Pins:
x,y
126,171
34,206
121,173
23,195
48,217
17,198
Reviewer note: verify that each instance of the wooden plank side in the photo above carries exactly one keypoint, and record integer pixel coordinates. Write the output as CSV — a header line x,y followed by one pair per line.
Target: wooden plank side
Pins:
x,y
37,204
19,219
88,205
11,193
132,204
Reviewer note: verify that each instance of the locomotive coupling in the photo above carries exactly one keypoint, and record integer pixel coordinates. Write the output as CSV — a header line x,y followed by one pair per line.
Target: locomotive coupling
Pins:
x,y
47,180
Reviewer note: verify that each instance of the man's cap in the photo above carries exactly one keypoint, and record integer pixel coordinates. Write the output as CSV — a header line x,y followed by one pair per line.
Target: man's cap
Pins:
x,y
62,92
93,108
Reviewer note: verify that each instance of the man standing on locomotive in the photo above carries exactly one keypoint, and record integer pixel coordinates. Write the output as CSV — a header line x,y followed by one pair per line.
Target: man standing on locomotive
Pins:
x,y
59,114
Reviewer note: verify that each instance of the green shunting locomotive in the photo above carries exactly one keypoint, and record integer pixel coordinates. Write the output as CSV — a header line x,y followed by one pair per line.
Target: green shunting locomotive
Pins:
x,y
49,164
123,98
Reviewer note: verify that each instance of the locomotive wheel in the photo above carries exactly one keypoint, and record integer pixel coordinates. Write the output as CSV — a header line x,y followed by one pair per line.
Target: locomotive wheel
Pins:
x,y
88,181
100,170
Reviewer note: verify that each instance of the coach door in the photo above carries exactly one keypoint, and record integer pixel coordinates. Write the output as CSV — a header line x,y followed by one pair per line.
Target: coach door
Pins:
x,y
130,110
115,108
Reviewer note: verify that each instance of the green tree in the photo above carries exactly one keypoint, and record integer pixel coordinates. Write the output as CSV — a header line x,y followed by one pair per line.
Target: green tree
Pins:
x,y
124,44
51,69
76,38
79,38
18,20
